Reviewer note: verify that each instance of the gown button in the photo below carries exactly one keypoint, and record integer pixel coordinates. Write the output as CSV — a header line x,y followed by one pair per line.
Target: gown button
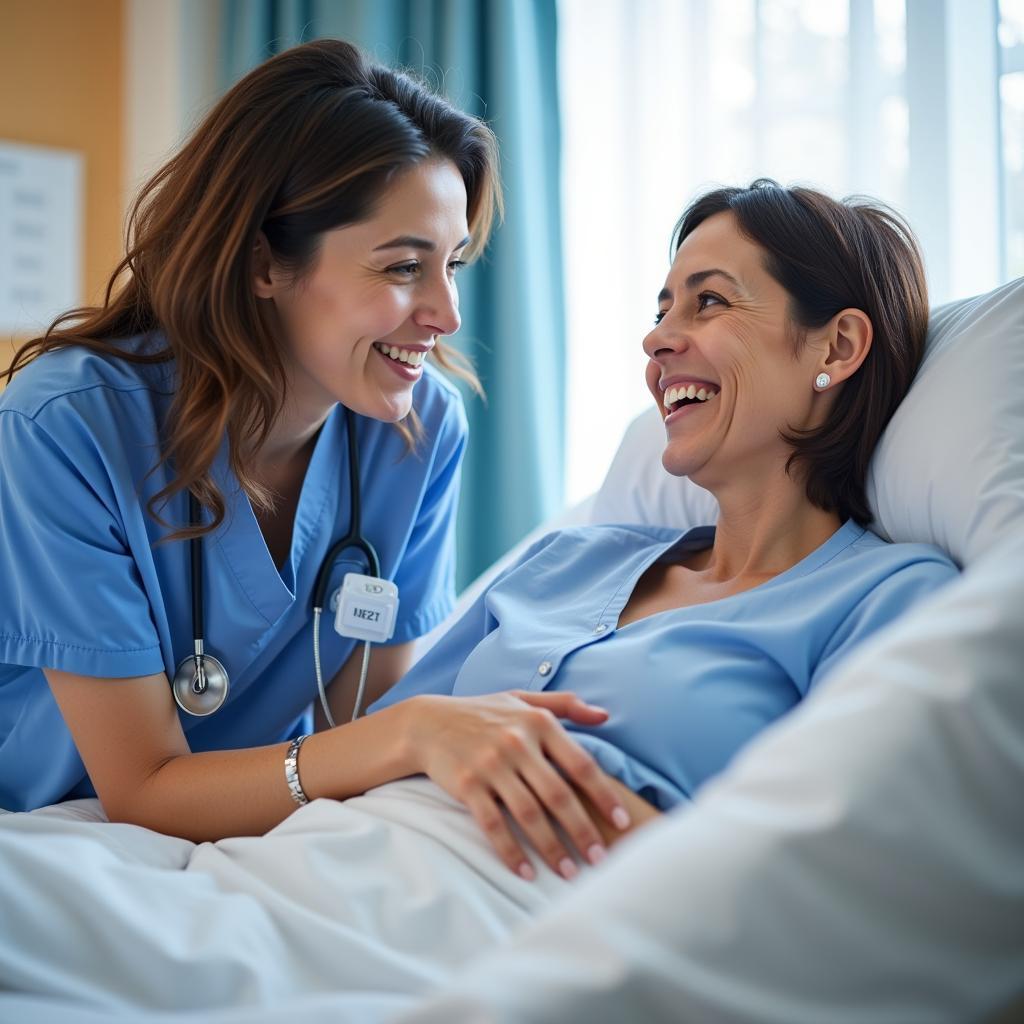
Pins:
x,y
544,668
598,630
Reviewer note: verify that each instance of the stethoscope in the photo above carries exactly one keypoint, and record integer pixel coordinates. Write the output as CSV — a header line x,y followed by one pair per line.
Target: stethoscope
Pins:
x,y
200,682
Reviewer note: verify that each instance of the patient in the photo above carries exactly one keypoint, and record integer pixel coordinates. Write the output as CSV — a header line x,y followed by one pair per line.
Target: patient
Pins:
x,y
789,328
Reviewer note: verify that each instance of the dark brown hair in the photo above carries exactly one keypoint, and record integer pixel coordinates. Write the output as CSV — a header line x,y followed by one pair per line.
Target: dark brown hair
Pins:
x,y
306,142
830,256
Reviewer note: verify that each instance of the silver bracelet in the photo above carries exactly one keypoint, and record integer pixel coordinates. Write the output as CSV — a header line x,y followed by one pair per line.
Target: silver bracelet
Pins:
x,y
291,771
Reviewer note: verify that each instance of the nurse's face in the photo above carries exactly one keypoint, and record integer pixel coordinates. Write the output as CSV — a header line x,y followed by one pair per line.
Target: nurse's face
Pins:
x,y
724,328
357,327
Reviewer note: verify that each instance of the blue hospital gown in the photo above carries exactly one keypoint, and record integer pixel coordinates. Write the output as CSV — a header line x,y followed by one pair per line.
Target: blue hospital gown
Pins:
x,y
87,587
688,687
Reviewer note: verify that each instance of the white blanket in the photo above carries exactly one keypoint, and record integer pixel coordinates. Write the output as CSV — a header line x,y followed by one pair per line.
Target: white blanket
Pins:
x,y
378,898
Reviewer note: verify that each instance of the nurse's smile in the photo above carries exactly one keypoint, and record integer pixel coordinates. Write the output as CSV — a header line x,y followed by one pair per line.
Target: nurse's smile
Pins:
x,y
407,363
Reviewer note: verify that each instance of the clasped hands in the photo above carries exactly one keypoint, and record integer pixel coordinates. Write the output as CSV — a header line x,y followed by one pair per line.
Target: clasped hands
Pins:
x,y
507,756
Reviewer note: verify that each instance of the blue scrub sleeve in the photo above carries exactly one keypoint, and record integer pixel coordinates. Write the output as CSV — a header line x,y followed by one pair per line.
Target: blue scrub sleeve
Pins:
x,y
883,605
426,572
72,597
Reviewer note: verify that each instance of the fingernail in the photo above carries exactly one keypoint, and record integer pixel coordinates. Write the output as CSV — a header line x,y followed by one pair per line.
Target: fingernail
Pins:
x,y
567,869
620,818
596,854
526,871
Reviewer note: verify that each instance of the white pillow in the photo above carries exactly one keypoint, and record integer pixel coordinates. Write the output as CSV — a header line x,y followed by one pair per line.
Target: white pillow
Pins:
x,y
638,489
949,468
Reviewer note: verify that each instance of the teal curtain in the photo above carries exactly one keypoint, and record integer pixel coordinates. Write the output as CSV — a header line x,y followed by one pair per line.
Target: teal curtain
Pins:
x,y
497,60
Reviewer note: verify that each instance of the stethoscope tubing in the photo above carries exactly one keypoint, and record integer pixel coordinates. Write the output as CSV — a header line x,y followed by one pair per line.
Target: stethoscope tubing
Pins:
x,y
353,539
196,568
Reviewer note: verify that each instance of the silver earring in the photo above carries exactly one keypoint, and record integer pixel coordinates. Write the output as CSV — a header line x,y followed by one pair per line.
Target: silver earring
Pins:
x,y
822,381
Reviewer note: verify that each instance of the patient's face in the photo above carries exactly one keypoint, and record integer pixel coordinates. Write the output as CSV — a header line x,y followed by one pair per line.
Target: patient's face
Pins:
x,y
724,327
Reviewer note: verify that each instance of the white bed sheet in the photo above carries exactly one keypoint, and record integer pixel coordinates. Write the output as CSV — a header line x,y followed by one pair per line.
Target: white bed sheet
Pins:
x,y
374,900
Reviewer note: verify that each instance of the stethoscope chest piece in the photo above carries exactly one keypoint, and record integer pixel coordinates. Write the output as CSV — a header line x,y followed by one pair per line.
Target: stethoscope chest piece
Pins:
x,y
200,684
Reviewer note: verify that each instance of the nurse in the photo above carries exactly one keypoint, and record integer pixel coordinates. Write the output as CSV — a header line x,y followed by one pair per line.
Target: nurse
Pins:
x,y
289,277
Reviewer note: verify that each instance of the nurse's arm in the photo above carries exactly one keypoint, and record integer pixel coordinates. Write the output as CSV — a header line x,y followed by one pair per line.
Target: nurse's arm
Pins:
x,y
387,666
131,741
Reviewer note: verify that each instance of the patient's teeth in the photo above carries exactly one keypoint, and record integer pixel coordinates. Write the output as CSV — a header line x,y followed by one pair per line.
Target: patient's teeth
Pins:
x,y
677,393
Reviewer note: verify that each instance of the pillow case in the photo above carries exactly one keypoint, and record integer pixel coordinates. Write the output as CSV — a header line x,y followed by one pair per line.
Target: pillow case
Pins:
x,y
949,469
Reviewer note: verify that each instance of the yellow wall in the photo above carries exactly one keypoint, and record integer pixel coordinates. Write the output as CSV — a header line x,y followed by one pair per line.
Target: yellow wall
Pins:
x,y
62,85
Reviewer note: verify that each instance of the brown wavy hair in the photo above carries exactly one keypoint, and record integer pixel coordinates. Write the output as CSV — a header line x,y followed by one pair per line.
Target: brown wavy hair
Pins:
x,y
830,256
306,142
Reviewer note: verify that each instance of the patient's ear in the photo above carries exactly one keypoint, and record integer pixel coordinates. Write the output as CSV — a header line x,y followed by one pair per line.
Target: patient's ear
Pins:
x,y
264,278
850,333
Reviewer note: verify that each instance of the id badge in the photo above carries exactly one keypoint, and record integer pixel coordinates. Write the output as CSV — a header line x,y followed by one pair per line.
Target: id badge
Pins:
x,y
367,608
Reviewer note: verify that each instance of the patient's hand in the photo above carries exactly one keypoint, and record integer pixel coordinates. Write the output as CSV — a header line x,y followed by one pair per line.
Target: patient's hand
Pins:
x,y
639,810
508,752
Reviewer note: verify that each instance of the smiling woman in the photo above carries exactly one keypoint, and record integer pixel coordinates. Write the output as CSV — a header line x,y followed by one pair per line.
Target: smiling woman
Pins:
x,y
256,383
838,288
372,289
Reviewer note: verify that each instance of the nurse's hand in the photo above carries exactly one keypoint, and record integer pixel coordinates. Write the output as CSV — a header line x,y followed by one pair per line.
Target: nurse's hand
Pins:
x,y
509,750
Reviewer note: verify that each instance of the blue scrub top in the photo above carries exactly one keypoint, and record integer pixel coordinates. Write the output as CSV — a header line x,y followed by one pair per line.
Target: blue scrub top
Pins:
x,y
688,687
87,588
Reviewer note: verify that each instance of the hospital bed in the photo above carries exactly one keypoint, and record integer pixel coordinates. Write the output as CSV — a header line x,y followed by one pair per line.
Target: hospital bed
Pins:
x,y
861,861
